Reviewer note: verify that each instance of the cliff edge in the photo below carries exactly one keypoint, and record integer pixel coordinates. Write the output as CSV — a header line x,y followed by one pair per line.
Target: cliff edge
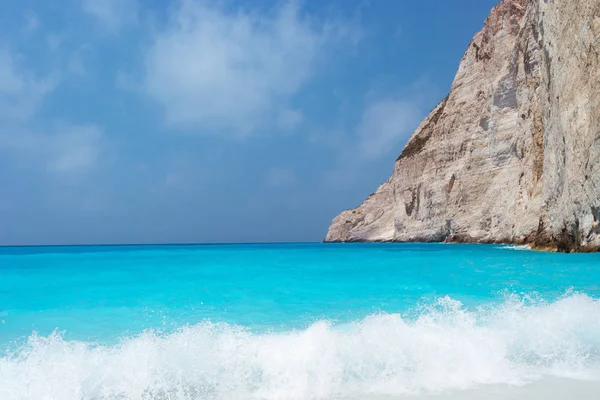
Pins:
x,y
512,155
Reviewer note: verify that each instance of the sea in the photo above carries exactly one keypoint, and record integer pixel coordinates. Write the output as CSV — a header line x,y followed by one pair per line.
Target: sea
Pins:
x,y
298,321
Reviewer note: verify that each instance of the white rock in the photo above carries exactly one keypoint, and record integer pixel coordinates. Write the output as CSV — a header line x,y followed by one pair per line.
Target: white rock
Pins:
x,y
512,155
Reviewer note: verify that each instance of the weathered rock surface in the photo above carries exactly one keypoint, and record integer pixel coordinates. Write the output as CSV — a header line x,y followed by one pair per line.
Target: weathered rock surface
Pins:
x,y
512,155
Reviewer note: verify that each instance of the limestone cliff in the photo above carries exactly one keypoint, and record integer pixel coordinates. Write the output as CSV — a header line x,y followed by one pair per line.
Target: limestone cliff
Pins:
x,y
512,155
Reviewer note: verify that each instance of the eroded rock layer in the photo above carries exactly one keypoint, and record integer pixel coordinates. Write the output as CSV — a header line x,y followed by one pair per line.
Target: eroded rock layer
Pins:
x,y
512,155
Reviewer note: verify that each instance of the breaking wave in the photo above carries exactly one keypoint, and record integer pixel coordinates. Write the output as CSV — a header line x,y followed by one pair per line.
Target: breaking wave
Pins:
x,y
445,347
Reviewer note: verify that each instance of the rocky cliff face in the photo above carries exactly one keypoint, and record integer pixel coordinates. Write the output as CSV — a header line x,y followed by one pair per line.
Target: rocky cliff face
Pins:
x,y
512,155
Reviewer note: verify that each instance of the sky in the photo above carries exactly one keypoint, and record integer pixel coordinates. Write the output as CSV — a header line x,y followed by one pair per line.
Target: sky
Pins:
x,y
197,121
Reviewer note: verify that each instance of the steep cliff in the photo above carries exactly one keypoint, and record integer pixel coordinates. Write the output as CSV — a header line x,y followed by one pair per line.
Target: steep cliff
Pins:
x,y
512,155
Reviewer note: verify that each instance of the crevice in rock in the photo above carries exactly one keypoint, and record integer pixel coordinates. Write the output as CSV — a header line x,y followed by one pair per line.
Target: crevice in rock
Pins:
x,y
451,184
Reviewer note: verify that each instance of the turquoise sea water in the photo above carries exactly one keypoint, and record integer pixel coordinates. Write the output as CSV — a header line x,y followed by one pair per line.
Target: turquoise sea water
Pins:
x,y
293,321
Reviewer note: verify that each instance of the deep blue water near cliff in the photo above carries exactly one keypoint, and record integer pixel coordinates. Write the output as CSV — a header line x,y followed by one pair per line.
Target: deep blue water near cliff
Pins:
x,y
292,321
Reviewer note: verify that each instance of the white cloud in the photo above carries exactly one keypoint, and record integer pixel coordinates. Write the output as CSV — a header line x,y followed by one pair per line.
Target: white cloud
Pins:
x,y
53,40
75,148
385,125
386,122
21,93
289,119
221,70
64,149
32,22
280,177
127,82
76,61
112,15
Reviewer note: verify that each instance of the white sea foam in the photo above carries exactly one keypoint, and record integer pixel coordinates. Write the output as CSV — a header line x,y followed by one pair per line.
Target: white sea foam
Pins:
x,y
522,247
444,350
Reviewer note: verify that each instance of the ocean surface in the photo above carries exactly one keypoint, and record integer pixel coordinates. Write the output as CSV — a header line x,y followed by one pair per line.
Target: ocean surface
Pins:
x,y
298,321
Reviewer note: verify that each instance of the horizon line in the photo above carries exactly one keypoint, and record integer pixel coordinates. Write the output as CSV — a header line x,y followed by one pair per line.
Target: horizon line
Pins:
x,y
157,244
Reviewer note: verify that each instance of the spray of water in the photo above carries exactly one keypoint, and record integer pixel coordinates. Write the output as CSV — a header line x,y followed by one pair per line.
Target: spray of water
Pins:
x,y
445,348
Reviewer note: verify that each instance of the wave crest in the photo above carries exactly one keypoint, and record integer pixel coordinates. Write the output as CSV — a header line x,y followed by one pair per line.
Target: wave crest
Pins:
x,y
446,347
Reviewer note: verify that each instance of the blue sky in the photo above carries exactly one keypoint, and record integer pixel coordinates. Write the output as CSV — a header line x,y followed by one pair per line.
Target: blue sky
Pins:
x,y
124,121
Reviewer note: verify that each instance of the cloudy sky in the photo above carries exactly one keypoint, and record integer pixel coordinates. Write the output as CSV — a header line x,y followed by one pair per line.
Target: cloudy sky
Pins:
x,y
129,121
